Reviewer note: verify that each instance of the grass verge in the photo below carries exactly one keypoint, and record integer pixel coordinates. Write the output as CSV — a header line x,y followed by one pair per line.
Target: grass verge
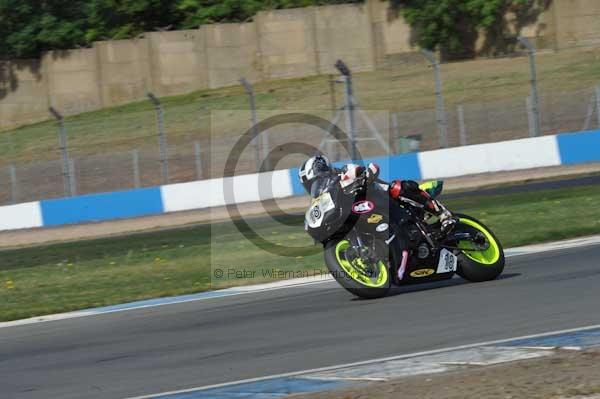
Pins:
x,y
69,276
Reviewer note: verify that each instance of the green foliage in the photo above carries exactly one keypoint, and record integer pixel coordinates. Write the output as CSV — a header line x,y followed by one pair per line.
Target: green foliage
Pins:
x,y
30,27
198,12
122,19
453,25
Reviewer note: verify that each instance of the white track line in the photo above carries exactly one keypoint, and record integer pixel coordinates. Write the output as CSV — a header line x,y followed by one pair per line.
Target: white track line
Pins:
x,y
300,282
554,246
367,362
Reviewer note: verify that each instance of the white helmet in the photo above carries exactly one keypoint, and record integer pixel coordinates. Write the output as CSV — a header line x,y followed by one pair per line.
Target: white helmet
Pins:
x,y
312,168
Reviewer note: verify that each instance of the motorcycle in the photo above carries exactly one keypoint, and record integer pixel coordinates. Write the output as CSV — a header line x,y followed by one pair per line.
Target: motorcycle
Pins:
x,y
372,242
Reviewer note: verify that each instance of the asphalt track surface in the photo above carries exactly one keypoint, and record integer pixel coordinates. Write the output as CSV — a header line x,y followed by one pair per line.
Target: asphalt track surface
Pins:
x,y
153,350
528,187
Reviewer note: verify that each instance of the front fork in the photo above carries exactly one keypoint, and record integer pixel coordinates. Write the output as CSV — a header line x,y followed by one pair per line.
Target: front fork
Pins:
x,y
398,253
361,249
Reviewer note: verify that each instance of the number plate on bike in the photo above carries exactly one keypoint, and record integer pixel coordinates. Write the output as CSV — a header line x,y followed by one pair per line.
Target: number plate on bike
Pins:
x,y
319,207
448,262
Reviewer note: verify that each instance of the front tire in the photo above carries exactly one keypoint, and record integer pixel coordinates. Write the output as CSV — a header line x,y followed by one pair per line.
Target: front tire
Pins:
x,y
479,266
351,277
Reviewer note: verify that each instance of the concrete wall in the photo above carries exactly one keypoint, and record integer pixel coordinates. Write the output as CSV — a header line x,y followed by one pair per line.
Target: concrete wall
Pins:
x,y
278,44
288,45
344,32
124,70
577,22
23,93
178,62
232,52
73,80
391,34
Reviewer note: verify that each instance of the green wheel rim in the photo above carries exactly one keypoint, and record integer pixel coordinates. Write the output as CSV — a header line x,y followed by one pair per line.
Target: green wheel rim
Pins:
x,y
379,280
488,257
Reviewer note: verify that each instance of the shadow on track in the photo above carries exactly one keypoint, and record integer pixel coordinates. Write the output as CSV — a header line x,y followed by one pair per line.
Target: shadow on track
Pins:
x,y
456,281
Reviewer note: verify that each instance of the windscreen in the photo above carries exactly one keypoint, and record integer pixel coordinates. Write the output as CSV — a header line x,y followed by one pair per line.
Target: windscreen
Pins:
x,y
322,184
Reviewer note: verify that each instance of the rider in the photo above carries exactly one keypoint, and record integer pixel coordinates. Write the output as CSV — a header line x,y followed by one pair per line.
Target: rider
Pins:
x,y
319,166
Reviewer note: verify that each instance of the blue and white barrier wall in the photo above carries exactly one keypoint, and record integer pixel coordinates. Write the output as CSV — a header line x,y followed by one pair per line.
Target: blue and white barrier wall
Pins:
x,y
562,149
493,157
21,216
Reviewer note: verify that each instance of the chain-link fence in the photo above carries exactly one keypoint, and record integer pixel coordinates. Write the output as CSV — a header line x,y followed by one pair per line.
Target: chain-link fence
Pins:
x,y
150,143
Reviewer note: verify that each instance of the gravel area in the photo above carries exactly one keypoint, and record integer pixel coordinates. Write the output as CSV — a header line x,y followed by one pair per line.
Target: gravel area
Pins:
x,y
567,374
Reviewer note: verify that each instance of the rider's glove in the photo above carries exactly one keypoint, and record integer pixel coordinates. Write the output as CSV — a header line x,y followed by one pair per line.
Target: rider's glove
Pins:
x,y
354,173
349,174
372,172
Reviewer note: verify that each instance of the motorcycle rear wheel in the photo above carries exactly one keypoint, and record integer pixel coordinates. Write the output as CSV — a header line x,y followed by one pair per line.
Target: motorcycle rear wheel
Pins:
x,y
351,275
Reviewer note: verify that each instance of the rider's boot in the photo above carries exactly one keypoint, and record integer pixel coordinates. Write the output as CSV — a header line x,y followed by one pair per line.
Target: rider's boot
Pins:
x,y
412,191
447,221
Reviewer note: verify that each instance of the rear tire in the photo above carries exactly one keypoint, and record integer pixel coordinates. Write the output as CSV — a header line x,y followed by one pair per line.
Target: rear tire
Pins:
x,y
480,266
375,290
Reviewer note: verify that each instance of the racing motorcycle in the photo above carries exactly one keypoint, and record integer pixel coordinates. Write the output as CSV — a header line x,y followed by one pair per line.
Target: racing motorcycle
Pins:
x,y
372,241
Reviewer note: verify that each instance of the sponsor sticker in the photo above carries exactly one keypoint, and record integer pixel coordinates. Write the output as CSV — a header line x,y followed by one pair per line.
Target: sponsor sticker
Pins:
x,y
375,218
382,227
422,273
361,207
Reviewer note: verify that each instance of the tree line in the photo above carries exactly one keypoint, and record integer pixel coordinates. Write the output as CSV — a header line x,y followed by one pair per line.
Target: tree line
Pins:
x,y
30,27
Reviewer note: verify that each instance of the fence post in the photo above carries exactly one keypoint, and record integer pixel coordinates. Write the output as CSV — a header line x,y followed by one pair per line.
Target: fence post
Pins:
x,y
530,117
263,138
598,104
535,107
462,129
198,154
135,161
396,133
328,148
332,99
162,138
73,178
348,96
14,194
335,156
590,112
440,107
62,145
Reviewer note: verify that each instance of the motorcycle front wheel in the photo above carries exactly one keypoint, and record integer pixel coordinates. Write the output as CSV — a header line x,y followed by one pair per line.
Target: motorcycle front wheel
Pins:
x,y
352,273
